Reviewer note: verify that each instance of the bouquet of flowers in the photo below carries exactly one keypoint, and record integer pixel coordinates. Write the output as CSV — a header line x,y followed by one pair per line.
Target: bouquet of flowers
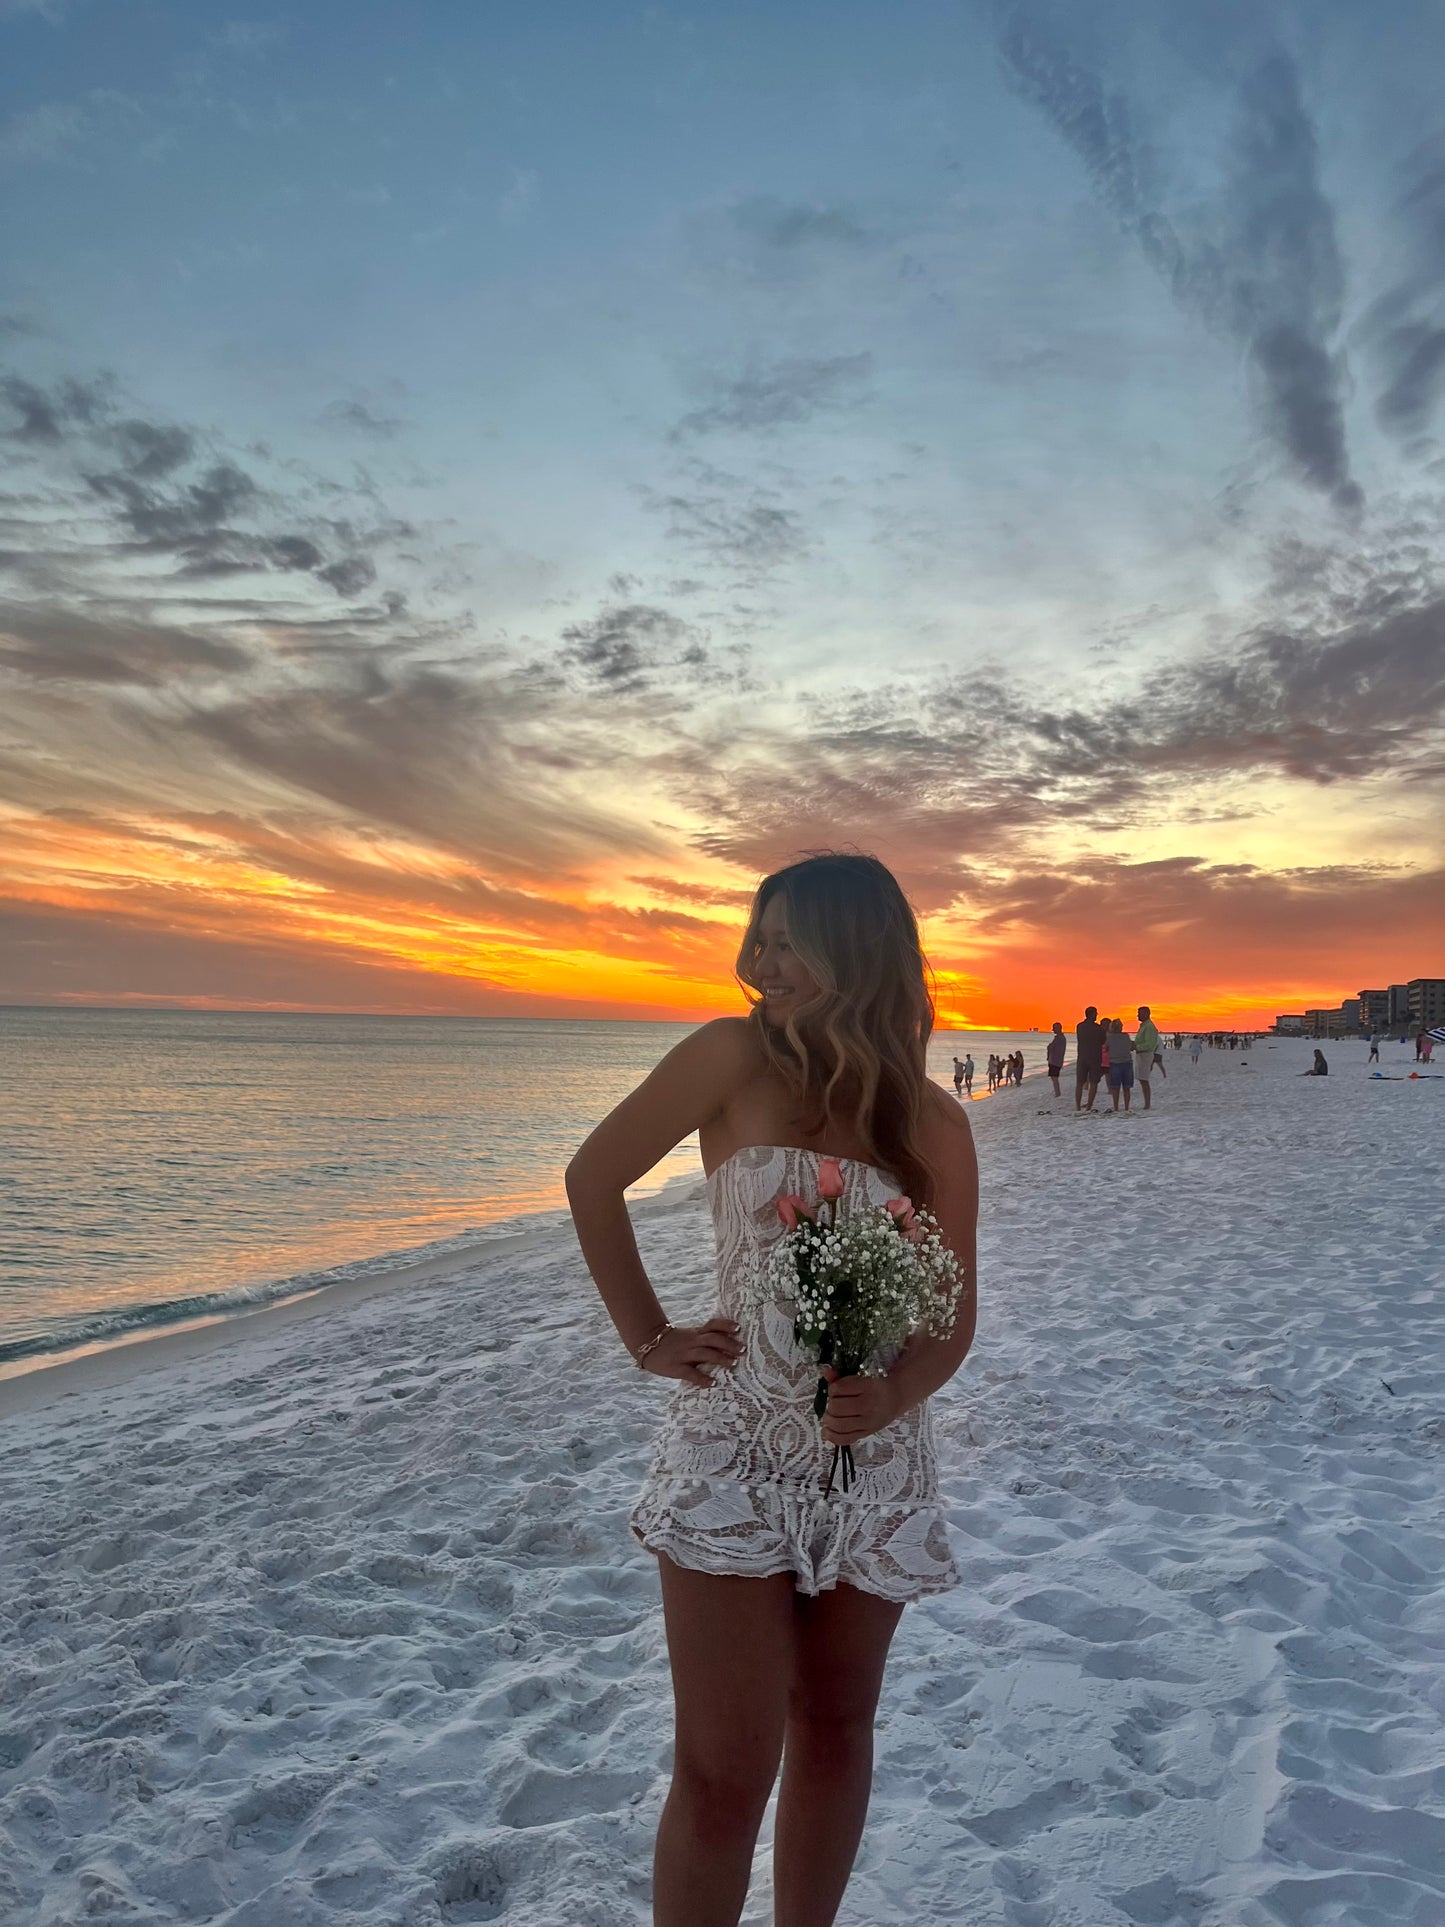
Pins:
x,y
860,1284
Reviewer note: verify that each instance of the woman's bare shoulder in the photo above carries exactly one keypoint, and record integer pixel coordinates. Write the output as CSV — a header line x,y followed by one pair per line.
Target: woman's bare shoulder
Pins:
x,y
946,1129
726,1040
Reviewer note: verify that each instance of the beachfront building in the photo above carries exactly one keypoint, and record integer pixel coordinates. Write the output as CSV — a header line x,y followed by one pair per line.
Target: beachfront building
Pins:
x,y
1374,1010
1399,1006
1341,1022
1427,1002
1290,1026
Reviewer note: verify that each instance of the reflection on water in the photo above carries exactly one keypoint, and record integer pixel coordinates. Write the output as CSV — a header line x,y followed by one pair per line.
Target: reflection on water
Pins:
x,y
153,1163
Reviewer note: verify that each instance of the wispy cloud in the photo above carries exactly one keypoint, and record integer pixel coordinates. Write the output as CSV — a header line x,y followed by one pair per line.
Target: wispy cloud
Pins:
x,y
1404,328
1263,266
631,647
780,393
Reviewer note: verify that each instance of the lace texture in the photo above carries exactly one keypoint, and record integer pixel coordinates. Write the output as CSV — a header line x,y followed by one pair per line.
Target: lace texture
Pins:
x,y
737,1481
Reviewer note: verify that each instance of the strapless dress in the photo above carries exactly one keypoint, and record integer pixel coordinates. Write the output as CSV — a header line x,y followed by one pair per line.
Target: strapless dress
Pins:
x,y
738,1479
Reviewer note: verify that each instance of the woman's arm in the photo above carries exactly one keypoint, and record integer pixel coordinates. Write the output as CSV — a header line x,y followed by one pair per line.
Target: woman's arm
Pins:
x,y
858,1407
691,1086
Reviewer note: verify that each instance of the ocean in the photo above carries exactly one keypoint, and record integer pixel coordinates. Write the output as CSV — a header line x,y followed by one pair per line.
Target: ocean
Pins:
x,y
160,1165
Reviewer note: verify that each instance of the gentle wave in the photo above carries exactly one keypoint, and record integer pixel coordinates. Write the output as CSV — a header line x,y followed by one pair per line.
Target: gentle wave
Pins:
x,y
127,1320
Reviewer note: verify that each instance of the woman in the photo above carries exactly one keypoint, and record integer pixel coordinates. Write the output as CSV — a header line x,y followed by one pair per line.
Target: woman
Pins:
x,y
780,1602
1119,1062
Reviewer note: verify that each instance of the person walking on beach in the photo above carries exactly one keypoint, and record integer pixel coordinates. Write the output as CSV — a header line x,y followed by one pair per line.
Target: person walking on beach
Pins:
x,y
780,1597
968,1075
1374,1056
957,1075
1195,1048
1120,1048
1088,1059
1146,1053
1054,1056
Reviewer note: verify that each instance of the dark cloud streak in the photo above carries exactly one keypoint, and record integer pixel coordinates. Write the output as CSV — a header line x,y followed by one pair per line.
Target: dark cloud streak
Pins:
x,y
1266,271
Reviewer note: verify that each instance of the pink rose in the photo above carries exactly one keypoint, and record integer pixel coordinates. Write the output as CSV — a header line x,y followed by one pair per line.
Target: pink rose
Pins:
x,y
830,1178
901,1210
788,1212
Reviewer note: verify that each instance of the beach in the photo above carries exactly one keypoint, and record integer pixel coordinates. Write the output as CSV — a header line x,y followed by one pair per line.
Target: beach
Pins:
x,y
331,1615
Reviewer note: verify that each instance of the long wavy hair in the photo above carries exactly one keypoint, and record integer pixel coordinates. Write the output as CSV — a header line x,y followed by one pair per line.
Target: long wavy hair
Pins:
x,y
854,1052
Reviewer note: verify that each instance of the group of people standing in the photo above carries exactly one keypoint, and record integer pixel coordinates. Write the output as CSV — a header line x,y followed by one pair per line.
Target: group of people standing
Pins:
x,y
1107,1053
1002,1069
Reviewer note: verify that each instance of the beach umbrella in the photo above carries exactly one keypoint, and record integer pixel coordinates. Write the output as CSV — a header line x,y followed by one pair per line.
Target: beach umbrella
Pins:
x,y
1438,1033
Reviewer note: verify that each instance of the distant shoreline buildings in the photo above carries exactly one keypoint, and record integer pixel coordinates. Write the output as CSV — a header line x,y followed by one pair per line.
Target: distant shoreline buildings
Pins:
x,y
1403,1008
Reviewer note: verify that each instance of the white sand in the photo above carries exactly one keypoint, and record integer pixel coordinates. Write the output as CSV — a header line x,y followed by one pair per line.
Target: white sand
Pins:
x,y
338,1621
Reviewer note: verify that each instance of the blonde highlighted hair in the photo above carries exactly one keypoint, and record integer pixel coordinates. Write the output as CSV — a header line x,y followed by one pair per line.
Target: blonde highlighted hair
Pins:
x,y
854,1052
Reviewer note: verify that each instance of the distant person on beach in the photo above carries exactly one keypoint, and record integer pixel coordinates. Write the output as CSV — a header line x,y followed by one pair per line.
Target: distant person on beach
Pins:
x,y
968,1075
957,1075
1055,1054
780,1599
1319,1068
1146,1053
1120,1047
1088,1059
1374,1056
1427,1047
1196,1049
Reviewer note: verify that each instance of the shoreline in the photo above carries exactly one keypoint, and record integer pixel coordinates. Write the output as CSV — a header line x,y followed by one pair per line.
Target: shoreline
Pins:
x,y
104,1361
30,1383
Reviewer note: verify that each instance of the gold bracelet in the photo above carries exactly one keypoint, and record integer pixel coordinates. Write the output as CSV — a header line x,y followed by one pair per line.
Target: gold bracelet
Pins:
x,y
652,1344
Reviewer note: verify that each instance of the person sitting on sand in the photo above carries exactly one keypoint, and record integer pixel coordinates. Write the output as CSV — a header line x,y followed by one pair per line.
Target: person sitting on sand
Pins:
x,y
1319,1068
1088,1059
779,1606
1054,1056
1120,1071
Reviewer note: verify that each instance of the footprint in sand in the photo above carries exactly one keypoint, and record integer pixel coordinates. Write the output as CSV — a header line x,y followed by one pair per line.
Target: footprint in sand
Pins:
x,y
544,1797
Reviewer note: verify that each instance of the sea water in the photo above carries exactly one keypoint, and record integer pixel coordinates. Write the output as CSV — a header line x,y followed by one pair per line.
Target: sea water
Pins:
x,y
159,1165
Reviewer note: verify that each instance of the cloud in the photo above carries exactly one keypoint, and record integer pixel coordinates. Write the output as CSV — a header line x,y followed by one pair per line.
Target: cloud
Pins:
x,y
520,195
1263,267
50,645
752,538
1404,328
785,392
171,495
632,646
59,130
355,414
791,225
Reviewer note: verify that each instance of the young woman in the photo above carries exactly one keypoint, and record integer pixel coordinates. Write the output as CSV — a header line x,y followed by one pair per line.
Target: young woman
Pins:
x,y
780,1598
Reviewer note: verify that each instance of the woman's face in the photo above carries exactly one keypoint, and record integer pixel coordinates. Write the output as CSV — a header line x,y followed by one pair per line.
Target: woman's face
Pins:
x,y
784,980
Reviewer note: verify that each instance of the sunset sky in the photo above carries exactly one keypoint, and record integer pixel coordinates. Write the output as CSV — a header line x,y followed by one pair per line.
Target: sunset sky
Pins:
x,y
482,483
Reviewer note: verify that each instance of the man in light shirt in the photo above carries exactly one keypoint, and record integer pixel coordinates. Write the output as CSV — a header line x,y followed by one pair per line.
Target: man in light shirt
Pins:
x,y
1146,1043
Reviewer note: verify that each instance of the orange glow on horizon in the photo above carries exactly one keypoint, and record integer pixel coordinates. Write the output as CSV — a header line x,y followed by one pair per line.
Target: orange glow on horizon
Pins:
x,y
329,918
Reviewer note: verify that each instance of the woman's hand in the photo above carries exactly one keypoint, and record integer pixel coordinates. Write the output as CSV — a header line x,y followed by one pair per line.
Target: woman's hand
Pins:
x,y
857,1407
694,1352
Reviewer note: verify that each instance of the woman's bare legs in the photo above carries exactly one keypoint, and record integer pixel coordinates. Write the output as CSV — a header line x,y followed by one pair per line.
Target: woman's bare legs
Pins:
x,y
841,1648
730,1642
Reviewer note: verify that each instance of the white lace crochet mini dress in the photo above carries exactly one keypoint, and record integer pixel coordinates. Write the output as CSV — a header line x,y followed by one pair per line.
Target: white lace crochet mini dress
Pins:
x,y
737,1482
